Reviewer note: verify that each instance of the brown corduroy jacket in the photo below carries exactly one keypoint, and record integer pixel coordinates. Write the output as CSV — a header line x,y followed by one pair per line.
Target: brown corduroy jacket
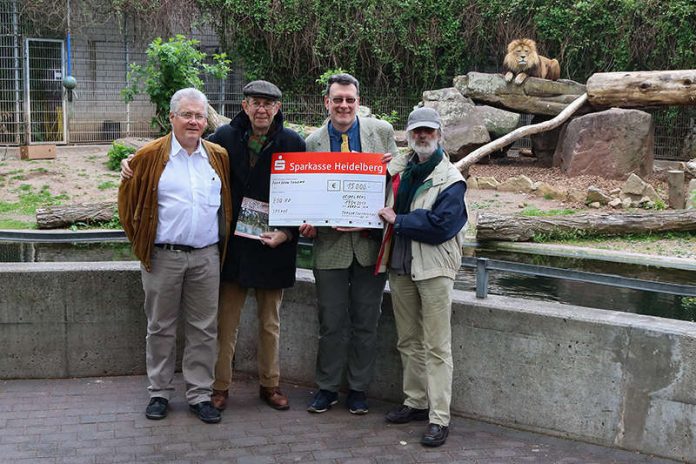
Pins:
x,y
137,196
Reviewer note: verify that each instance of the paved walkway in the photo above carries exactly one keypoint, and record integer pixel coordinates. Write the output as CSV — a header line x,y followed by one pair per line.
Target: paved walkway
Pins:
x,y
101,420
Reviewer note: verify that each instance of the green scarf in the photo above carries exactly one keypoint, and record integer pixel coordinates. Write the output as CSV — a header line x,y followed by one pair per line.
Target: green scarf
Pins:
x,y
411,178
255,145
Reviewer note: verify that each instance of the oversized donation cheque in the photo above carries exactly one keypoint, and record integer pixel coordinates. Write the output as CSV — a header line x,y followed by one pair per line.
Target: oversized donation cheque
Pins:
x,y
327,189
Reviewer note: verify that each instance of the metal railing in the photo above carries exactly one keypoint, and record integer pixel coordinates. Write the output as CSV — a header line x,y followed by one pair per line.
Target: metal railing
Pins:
x,y
483,266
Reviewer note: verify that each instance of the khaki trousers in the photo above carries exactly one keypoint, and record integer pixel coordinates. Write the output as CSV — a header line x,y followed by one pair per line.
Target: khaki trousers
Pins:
x,y
232,298
422,311
182,284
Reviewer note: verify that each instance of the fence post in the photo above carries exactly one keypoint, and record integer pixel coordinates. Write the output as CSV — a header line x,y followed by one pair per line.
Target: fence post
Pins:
x,y
481,277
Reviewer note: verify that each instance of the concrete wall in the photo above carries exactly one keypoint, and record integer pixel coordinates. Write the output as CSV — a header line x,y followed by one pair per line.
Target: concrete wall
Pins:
x,y
610,378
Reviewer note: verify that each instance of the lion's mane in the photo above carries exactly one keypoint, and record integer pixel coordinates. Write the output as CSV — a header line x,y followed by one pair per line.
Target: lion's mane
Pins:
x,y
523,60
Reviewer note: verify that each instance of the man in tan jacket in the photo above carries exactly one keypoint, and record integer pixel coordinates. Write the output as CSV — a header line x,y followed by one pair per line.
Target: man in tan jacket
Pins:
x,y
176,211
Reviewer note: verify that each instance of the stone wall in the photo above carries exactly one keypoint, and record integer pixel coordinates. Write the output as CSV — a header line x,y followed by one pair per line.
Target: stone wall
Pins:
x,y
615,379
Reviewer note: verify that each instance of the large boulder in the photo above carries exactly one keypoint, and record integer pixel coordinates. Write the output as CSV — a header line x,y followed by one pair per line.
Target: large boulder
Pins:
x,y
498,122
462,125
612,144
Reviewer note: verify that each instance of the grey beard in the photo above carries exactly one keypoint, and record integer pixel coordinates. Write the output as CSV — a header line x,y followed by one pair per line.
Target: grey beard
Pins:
x,y
424,152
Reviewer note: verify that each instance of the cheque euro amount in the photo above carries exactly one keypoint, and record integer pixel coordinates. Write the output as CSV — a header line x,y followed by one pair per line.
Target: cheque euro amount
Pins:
x,y
341,166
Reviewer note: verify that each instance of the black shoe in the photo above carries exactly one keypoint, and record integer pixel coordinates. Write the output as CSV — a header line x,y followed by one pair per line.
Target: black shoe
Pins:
x,y
435,435
156,408
206,412
404,414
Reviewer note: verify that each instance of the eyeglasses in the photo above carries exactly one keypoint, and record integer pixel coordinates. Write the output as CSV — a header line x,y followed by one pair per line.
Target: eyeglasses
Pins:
x,y
268,105
188,115
339,100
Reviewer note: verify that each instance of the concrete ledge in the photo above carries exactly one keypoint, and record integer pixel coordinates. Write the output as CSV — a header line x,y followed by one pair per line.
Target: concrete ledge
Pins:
x,y
615,379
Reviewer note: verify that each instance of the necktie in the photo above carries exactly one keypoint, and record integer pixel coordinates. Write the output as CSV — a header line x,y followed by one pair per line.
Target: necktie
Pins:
x,y
344,143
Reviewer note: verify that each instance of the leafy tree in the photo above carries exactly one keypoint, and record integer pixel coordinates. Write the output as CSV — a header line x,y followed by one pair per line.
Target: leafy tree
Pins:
x,y
170,66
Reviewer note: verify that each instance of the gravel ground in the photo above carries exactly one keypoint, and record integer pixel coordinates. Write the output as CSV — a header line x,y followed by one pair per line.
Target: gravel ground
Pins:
x,y
80,173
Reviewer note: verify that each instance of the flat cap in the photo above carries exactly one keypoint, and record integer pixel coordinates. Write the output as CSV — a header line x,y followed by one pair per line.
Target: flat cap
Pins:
x,y
423,117
262,89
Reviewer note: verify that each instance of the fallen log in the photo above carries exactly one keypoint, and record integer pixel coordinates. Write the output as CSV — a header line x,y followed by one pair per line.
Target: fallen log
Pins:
x,y
516,228
55,217
642,88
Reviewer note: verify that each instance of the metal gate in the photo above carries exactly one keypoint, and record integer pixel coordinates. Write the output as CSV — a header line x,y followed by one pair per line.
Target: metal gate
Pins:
x,y
43,86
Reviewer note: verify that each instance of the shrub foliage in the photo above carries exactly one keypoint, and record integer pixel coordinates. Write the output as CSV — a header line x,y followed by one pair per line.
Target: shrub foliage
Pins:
x,y
410,45
171,65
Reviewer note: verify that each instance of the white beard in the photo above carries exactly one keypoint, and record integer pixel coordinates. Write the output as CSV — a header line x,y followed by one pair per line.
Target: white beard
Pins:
x,y
424,151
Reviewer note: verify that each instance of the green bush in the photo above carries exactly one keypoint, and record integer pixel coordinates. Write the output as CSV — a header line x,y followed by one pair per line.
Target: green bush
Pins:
x,y
171,65
116,153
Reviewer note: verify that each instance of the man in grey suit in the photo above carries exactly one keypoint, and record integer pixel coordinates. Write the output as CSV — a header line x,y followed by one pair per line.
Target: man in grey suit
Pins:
x,y
349,294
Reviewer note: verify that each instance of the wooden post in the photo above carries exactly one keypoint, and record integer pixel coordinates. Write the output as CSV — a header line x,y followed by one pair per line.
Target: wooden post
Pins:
x,y
677,197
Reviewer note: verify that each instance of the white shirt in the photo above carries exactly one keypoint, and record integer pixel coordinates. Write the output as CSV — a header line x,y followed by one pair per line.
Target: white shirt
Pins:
x,y
188,199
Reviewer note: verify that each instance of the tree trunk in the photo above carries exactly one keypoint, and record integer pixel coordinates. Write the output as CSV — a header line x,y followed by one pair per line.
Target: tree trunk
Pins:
x,y
642,88
515,228
54,217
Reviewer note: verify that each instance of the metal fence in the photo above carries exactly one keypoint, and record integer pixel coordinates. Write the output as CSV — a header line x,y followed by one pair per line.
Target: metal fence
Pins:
x,y
34,107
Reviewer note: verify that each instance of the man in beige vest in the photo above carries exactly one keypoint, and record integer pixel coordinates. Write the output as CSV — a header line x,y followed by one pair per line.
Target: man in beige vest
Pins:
x,y
349,294
425,216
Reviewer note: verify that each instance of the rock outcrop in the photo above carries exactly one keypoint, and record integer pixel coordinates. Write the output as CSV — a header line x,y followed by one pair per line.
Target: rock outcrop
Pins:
x,y
611,144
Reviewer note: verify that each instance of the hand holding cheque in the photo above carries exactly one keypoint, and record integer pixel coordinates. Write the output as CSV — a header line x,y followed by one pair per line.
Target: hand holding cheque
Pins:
x,y
327,189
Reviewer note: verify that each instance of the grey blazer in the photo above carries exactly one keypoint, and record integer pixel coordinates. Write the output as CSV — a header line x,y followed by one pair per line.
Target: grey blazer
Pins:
x,y
335,250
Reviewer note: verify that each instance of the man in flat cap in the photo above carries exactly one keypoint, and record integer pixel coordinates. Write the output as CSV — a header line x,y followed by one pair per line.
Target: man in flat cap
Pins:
x,y
266,265
421,250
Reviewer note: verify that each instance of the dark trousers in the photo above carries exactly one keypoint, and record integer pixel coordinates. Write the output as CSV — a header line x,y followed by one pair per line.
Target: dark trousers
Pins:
x,y
350,302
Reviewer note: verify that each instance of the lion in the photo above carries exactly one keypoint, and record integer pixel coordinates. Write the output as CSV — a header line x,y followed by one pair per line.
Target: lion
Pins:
x,y
522,59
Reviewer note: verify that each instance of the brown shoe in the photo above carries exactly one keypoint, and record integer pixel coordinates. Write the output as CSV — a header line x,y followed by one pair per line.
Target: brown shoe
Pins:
x,y
219,399
274,397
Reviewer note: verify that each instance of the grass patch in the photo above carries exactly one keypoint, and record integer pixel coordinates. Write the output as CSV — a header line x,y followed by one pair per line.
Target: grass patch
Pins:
x,y
16,224
30,200
534,211
107,185
39,170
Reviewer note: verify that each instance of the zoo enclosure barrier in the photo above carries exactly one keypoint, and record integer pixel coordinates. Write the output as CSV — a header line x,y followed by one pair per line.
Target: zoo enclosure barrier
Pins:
x,y
483,266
